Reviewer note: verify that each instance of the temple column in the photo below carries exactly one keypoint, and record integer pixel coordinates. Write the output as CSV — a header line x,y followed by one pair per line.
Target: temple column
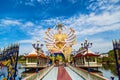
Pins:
x,y
26,60
96,59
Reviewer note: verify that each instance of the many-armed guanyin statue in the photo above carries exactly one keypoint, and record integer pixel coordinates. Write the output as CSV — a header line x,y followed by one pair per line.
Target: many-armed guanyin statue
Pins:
x,y
60,39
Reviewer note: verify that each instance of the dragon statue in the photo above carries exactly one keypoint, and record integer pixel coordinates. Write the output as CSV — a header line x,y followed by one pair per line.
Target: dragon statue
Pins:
x,y
8,62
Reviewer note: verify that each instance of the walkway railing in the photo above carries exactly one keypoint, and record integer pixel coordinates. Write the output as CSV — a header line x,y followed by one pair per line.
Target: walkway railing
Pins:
x,y
87,75
40,74
90,65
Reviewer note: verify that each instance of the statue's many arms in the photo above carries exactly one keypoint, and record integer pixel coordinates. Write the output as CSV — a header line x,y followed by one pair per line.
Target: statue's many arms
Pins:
x,y
60,39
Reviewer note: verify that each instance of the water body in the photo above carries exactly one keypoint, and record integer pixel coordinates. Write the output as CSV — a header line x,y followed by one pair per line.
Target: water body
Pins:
x,y
109,70
108,74
4,73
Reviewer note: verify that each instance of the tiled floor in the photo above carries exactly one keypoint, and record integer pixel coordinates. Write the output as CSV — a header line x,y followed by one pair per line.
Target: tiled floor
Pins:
x,y
73,75
52,75
62,73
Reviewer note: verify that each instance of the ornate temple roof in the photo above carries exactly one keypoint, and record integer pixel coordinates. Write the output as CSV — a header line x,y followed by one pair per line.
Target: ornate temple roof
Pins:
x,y
85,54
34,55
91,54
79,55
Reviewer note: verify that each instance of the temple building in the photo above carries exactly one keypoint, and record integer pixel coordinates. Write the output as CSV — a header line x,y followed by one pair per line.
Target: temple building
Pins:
x,y
87,59
34,60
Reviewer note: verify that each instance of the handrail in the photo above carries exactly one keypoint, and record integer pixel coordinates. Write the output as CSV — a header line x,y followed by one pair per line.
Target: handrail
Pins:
x,y
40,74
87,75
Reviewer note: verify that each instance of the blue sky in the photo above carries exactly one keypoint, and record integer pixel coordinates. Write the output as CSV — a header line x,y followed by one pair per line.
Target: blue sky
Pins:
x,y
25,21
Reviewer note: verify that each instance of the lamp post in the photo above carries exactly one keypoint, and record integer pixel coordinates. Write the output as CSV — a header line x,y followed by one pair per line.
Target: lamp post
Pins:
x,y
38,47
116,48
86,45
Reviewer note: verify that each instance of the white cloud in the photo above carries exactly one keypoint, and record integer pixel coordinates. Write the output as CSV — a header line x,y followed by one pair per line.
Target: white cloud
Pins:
x,y
101,45
91,24
113,1
25,48
17,22
95,30
25,41
103,5
37,32
7,22
29,4
73,1
41,2
27,24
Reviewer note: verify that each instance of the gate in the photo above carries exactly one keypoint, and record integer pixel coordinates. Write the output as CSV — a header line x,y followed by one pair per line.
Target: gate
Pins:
x,y
8,62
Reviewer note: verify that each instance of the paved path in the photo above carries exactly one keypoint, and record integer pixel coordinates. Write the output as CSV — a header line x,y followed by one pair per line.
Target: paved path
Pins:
x,y
62,73
73,75
52,75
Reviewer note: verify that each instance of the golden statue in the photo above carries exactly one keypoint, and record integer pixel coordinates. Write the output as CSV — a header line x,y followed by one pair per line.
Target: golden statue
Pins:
x,y
60,39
